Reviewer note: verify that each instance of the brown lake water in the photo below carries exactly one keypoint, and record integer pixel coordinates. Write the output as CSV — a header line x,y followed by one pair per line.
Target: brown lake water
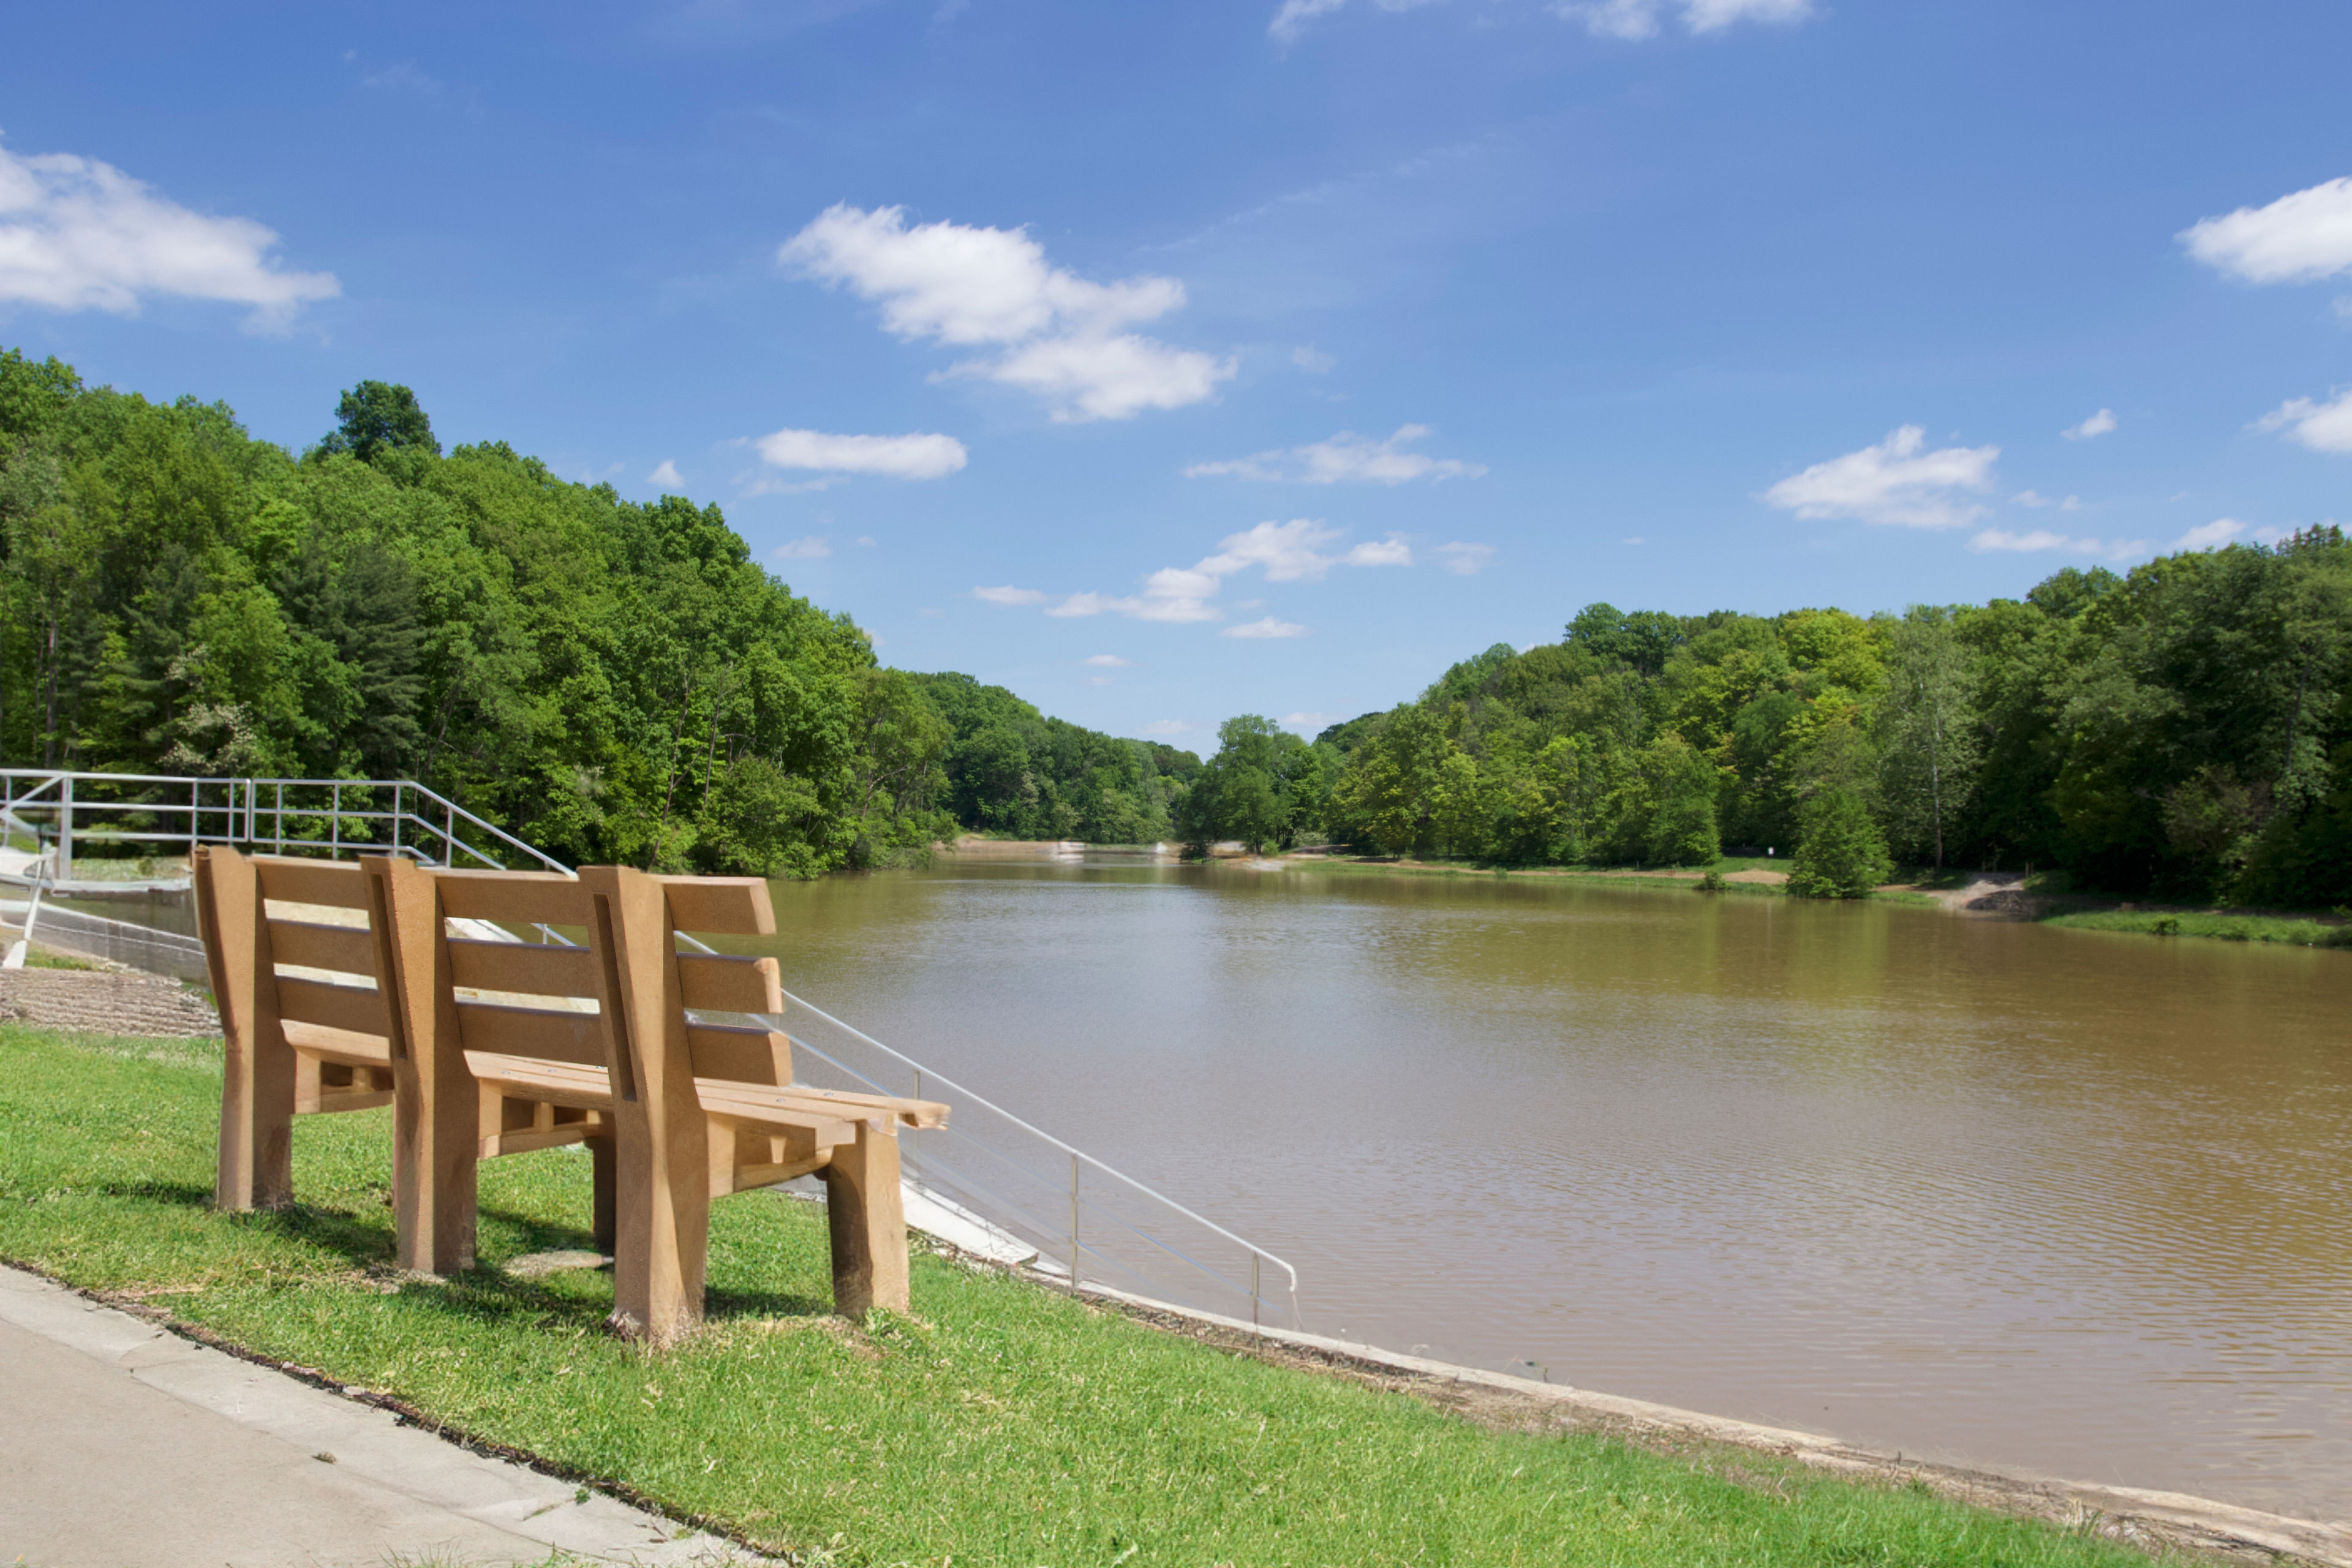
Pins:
x,y
2062,1202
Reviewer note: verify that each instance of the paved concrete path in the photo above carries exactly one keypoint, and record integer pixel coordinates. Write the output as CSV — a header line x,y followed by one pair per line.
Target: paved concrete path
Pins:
x,y
123,1446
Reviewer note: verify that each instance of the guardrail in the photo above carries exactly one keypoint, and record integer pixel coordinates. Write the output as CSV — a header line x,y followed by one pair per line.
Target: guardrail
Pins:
x,y
63,811
1087,1222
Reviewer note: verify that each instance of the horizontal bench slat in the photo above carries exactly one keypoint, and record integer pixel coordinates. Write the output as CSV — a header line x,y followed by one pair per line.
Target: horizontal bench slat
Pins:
x,y
519,898
522,966
572,1037
557,1083
738,1056
339,883
724,906
348,1046
336,1007
717,983
349,950
917,1113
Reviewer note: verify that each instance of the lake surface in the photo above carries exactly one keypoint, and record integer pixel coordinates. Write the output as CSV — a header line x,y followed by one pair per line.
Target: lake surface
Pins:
x,y
2064,1201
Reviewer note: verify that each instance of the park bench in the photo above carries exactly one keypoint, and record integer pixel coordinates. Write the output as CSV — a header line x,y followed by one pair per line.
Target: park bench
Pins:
x,y
487,1047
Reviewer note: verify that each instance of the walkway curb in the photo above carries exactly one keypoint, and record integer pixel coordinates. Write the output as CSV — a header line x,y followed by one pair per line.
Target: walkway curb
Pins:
x,y
497,1510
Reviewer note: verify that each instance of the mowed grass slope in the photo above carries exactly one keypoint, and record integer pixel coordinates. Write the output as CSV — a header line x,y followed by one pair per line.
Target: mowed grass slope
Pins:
x,y
1002,1425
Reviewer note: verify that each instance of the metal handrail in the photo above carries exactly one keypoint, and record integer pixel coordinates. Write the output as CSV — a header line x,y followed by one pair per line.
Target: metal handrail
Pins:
x,y
778,1021
244,816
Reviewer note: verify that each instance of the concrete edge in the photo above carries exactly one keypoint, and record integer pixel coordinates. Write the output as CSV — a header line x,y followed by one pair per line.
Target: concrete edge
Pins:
x,y
369,1438
2175,1515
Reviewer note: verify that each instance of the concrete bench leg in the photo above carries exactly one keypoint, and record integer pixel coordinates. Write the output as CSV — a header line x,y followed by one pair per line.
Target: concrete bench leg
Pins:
x,y
436,1107
868,1224
256,1135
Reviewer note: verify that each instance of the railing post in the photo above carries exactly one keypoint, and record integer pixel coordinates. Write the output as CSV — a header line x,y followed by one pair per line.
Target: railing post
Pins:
x,y
64,830
280,814
395,816
195,819
1254,1290
335,821
1074,1224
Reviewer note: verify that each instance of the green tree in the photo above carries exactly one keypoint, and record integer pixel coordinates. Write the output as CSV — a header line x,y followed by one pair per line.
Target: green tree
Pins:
x,y
374,418
1930,746
1841,854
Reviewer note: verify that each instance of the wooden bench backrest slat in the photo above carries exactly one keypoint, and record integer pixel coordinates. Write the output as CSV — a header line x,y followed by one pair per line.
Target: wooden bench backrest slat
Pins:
x,y
532,1032
714,983
722,906
347,949
337,884
528,968
336,1007
519,897
739,1056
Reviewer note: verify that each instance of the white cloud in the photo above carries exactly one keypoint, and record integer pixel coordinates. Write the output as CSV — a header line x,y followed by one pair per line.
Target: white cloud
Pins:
x,y
1312,360
667,477
2211,535
79,235
2036,498
1268,628
1285,552
1467,560
1607,18
1640,18
1008,595
1892,482
1996,539
2298,238
892,457
865,541
2098,424
1166,727
1311,721
1063,335
1632,539
815,547
1110,661
2322,427
1345,458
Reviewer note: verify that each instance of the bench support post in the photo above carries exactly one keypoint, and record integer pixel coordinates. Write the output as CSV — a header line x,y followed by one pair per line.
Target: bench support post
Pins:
x,y
256,1133
438,1106
868,1221
662,1188
604,1181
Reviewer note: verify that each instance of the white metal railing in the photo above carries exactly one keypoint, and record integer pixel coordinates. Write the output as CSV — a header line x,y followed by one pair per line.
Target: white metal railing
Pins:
x,y
1113,1230
62,811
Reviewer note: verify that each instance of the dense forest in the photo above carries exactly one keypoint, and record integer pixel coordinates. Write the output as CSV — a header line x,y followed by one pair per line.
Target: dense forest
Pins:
x,y
2185,728
610,681
619,683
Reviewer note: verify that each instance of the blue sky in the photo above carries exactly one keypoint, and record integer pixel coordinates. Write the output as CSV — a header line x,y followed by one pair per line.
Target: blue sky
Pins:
x,y
1168,362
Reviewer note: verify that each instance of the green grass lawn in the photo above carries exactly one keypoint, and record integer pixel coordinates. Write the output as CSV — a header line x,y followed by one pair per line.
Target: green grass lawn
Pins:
x,y
1003,1425
2223,925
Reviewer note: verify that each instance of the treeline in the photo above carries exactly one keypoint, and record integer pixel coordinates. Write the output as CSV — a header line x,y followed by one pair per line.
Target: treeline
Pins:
x,y
610,681
2184,730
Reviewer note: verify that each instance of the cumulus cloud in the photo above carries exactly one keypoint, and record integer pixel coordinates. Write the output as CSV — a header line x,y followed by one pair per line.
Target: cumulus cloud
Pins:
x,y
891,457
2322,427
815,547
79,235
1064,337
2299,239
1268,628
1345,459
2036,498
2098,424
1166,727
1468,560
1311,721
1292,551
1606,18
1894,482
2211,535
1110,661
1312,360
2040,539
667,477
1640,18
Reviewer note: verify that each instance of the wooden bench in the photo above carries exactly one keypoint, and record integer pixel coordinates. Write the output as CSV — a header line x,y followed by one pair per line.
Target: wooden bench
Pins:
x,y
496,1048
